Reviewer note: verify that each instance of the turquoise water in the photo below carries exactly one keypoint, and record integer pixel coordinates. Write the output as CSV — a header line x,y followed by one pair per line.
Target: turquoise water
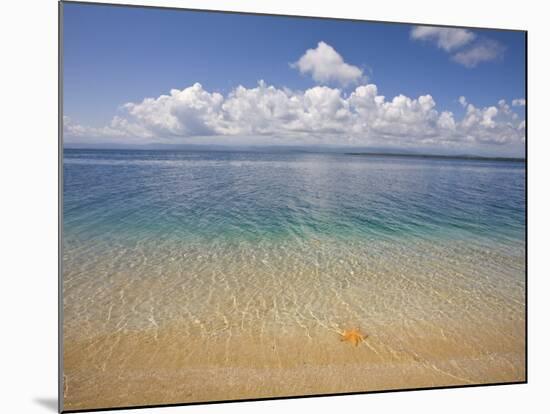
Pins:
x,y
129,195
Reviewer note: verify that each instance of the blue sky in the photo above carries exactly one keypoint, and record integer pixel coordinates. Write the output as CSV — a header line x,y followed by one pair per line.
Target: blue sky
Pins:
x,y
118,55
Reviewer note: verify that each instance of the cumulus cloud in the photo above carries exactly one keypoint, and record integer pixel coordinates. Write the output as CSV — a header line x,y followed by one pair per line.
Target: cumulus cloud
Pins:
x,y
324,114
326,65
492,124
445,37
518,102
485,51
186,112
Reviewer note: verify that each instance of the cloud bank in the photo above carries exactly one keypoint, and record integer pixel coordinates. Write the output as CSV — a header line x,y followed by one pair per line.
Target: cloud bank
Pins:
x,y
321,115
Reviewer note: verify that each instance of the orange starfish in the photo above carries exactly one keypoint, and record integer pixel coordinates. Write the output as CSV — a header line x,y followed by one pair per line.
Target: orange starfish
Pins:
x,y
353,335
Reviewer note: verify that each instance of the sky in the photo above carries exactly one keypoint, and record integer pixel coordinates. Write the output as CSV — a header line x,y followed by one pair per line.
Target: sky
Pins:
x,y
143,76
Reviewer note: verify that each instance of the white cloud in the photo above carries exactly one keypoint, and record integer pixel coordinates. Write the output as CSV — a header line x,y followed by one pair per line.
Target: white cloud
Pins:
x,y
71,129
494,125
466,48
518,102
321,115
463,101
190,111
326,65
487,117
119,127
445,37
446,121
484,51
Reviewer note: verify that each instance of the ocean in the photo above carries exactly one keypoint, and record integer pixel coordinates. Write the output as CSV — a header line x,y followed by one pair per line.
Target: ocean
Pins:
x,y
195,276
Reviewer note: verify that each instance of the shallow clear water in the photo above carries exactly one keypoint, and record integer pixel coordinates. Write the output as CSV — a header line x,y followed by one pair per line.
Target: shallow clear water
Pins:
x,y
202,251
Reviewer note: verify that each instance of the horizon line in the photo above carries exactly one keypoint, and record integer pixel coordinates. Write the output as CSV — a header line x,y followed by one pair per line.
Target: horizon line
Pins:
x,y
297,149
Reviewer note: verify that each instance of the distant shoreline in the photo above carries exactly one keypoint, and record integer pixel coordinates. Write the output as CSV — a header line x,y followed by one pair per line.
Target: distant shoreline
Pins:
x,y
272,150
436,156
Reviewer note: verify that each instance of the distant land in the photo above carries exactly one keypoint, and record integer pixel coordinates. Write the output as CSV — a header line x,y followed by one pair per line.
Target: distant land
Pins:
x,y
366,152
233,148
436,156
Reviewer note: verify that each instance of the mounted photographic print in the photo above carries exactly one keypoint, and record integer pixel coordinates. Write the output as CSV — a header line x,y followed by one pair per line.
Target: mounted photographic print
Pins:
x,y
261,206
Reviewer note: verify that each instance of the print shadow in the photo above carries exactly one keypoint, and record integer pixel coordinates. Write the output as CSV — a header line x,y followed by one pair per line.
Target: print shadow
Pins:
x,y
49,403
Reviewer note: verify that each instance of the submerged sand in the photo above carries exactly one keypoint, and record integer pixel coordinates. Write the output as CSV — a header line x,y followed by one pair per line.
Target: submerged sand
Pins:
x,y
147,368
211,325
